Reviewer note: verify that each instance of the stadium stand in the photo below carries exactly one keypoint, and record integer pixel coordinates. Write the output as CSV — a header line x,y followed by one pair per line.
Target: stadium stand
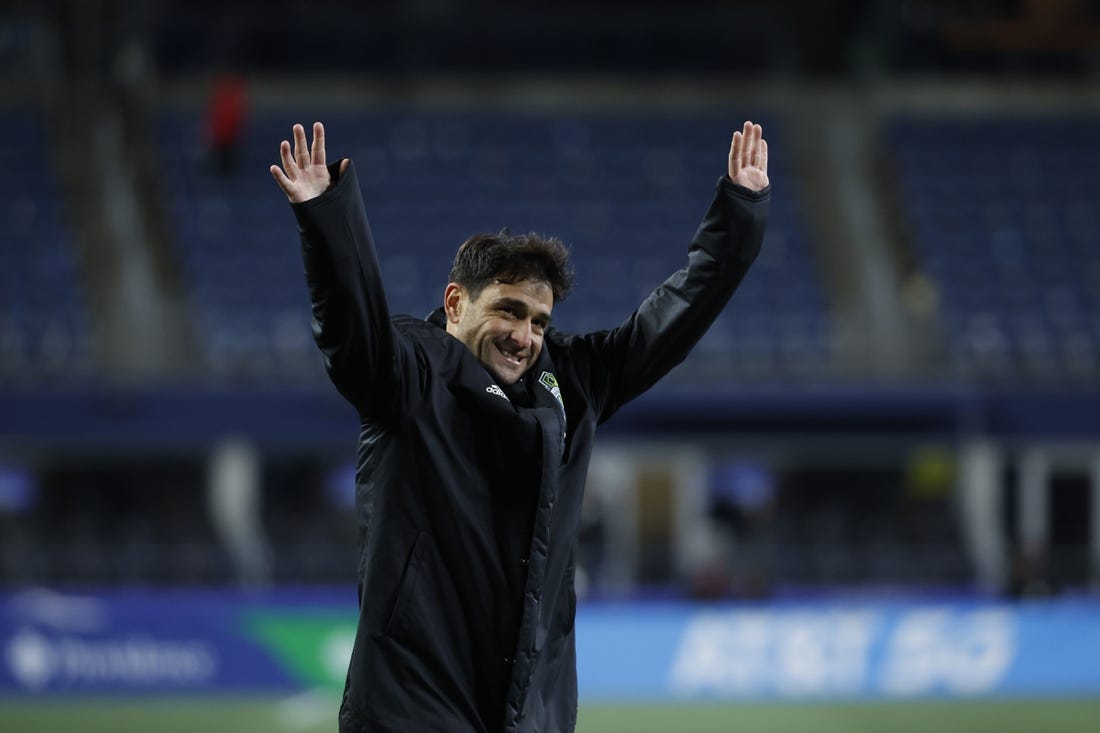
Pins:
x,y
1003,215
45,329
606,184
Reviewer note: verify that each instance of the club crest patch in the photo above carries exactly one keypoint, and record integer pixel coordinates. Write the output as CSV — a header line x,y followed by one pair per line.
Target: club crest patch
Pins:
x,y
549,381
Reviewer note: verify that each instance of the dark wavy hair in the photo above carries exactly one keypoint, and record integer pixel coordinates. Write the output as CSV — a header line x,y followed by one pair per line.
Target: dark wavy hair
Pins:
x,y
510,258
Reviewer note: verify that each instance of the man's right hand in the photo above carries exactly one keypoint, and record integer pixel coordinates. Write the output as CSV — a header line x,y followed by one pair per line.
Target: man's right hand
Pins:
x,y
305,175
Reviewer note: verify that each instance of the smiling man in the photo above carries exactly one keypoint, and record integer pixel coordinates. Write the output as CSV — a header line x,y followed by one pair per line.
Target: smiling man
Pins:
x,y
476,433
500,297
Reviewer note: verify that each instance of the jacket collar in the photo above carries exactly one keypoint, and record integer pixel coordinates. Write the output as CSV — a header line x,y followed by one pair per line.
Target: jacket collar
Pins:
x,y
538,387
437,318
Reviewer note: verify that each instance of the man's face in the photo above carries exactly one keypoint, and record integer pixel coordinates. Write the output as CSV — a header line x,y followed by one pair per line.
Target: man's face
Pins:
x,y
503,326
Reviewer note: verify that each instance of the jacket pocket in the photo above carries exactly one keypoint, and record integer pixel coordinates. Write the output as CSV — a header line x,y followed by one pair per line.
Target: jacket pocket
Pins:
x,y
407,587
566,607
571,599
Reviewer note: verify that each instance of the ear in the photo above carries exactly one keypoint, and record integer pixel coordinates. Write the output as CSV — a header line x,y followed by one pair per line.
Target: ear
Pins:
x,y
454,301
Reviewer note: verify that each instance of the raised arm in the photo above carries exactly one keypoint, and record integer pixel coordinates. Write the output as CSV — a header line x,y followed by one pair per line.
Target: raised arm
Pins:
x,y
619,365
364,356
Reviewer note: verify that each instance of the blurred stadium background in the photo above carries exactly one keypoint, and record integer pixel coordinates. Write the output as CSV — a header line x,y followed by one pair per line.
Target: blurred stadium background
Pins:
x,y
870,500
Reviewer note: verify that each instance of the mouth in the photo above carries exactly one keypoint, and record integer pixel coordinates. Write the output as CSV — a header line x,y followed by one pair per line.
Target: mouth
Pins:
x,y
513,357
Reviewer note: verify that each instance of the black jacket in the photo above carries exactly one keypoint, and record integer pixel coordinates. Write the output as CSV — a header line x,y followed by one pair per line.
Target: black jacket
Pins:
x,y
469,496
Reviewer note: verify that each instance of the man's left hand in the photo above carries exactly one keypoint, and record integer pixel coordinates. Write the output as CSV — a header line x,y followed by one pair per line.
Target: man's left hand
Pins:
x,y
749,158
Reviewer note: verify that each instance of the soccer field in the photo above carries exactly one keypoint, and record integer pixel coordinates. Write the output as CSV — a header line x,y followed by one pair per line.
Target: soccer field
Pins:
x,y
312,714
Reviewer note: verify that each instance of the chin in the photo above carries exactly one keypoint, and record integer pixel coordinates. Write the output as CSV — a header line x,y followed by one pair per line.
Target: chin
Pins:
x,y
505,376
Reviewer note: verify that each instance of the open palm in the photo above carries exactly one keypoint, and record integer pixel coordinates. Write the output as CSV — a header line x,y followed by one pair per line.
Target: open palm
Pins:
x,y
305,174
748,162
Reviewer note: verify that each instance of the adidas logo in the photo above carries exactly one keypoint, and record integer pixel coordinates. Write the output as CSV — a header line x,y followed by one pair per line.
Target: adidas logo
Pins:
x,y
493,389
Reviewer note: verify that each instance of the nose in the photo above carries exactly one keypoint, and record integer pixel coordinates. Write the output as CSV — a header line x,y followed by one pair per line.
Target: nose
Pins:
x,y
523,334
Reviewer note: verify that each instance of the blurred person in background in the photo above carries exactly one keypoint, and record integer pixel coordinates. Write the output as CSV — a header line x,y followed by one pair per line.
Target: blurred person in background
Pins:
x,y
476,434
226,118
742,506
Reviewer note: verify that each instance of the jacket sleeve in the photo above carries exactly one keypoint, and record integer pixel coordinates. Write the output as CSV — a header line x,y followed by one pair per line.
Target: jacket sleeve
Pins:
x,y
368,360
620,364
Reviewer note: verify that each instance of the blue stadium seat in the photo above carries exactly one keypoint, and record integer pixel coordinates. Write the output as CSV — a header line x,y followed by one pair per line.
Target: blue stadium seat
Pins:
x,y
1003,215
45,330
625,193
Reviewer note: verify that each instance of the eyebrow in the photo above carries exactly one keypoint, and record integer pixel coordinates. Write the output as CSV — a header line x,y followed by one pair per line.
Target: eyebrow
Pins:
x,y
520,307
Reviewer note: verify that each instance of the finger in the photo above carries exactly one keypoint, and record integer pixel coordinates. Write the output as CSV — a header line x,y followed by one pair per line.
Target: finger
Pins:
x,y
747,146
284,183
318,144
288,162
757,133
301,149
762,156
344,165
735,154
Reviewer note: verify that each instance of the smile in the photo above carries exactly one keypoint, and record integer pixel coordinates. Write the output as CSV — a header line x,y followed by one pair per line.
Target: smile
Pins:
x,y
513,357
